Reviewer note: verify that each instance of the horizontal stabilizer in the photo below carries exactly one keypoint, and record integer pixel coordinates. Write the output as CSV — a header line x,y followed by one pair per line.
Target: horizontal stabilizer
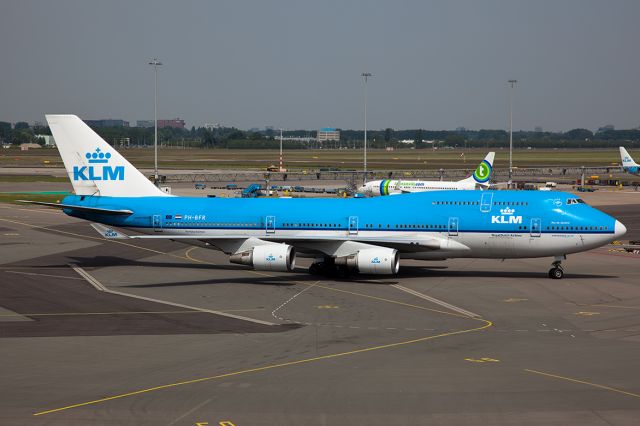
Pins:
x,y
81,208
108,232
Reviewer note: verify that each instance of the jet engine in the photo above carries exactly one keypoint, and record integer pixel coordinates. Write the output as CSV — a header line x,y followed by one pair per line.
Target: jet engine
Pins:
x,y
380,261
267,257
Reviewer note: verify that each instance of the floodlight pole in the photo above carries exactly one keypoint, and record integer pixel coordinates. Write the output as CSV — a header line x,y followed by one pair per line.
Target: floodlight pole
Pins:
x,y
366,76
512,83
281,168
155,64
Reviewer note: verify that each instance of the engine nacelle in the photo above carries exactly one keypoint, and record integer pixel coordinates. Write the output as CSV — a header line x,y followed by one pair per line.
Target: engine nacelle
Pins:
x,y
267,257
380,261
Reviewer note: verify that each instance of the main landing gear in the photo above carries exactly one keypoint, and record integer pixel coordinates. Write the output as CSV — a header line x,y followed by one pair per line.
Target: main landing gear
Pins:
x,y
328,267
557,272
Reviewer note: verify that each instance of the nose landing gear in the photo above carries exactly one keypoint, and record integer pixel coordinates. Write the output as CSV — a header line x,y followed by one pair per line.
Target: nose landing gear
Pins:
x,y
557,272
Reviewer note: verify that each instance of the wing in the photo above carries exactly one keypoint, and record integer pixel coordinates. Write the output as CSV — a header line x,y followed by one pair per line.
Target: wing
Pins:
x,y
325,245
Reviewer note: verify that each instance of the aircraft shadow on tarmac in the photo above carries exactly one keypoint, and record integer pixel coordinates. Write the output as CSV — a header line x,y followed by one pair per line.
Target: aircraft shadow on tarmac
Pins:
x,y
300,275
445,272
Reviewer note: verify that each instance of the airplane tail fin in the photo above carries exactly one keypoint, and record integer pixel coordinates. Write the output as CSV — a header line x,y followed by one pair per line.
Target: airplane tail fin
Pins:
x,y
95,167
482,173
627,161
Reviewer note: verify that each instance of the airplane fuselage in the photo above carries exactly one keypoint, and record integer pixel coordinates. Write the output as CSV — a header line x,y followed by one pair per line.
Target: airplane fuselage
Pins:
x,y
429,225
394,187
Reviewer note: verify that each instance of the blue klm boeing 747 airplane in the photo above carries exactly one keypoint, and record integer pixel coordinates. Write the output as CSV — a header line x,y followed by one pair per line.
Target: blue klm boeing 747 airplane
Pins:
x,y
368,235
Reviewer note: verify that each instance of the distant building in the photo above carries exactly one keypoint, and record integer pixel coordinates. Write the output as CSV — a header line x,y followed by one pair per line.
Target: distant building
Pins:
x,y
123,142
109,122
328,134
175,123
607,128
212,126
49,141
28,146
538,129
144,123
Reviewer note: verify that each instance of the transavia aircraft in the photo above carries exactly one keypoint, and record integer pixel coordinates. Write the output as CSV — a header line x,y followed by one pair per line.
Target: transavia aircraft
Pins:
x,y
478,180
628,165
369,235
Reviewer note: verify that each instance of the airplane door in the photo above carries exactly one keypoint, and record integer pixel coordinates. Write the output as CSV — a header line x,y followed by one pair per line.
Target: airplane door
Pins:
x,y
453,226
270,224
157,223
485,201
536,225
353,225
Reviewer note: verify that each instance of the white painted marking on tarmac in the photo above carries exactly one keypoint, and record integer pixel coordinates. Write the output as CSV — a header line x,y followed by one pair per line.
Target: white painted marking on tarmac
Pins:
x,y
436,301
98,286
193,410
44,275
273,313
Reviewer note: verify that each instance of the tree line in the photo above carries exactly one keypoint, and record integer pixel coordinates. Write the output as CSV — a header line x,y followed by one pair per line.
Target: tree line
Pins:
x,y
231,137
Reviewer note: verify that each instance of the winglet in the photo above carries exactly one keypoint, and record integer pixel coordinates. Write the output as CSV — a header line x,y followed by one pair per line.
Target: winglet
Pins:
x,y
109,233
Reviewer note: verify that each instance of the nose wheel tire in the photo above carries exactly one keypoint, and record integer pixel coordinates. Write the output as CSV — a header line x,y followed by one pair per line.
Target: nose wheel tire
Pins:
x,y
556,273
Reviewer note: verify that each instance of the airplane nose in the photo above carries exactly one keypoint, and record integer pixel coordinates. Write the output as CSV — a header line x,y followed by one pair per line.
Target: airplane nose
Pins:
x,y
619,229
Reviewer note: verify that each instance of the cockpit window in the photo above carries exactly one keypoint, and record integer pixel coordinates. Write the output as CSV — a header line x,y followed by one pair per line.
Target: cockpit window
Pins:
x,y
575,201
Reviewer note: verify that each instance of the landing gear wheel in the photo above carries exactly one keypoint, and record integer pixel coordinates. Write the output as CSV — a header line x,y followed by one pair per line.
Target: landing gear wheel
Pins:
x,y
556,273
316,268
343,272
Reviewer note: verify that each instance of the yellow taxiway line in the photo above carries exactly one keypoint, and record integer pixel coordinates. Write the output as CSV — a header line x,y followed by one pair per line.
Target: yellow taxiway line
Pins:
x,y
264,368
486,325
582,382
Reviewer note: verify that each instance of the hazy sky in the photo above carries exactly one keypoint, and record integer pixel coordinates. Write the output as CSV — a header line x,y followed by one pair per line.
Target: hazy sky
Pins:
x,y
297,64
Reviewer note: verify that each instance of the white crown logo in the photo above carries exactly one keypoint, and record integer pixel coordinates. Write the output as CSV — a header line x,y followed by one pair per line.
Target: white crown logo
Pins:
x,y
507,211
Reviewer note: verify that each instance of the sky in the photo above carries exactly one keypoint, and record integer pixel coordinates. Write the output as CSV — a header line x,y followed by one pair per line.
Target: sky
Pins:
x,y
297,64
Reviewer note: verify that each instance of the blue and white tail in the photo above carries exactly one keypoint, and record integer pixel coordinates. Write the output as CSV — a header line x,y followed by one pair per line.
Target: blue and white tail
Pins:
x,y
482,173
627,161
95,167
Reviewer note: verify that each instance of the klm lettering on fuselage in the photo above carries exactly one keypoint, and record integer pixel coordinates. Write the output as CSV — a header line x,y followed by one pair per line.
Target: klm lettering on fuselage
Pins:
x,y
507,217
94,172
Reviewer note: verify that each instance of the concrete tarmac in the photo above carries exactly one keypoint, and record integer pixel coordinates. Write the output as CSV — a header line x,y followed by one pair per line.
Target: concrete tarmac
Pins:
x,y
368,351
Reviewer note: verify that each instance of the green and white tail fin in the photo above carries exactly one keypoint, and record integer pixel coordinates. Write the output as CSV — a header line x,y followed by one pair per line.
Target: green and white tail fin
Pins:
x,y
482,173
95,167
